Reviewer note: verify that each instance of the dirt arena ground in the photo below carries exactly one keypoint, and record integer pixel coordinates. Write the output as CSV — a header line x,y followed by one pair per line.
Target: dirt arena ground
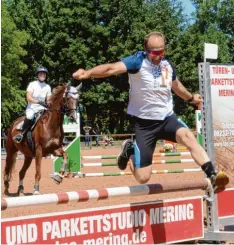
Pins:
x,y
48,186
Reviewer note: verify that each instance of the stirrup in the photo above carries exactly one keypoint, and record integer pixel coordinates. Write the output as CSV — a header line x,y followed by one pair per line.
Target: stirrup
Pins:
x,y
18,138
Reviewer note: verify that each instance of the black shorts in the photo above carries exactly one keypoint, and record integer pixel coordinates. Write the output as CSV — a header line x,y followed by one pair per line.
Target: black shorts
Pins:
x,y
148,132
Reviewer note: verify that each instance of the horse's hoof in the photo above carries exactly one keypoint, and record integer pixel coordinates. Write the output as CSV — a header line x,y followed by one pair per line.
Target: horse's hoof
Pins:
x,y
36,193
6,192
20,193
20,190
6,184
57,179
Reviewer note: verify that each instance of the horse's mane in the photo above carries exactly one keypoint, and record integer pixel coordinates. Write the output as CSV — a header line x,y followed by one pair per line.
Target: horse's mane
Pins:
x,y
57,95
58,92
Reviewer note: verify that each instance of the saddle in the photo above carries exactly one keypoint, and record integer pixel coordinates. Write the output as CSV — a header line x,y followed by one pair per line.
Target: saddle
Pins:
x,y
28,135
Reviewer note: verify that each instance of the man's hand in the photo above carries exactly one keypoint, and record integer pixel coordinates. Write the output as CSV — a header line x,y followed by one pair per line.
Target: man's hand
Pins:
x,y
81,74
48,104
197,99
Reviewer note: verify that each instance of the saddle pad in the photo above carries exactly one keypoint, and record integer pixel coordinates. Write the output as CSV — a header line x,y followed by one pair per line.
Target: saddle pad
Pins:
x,y
19,125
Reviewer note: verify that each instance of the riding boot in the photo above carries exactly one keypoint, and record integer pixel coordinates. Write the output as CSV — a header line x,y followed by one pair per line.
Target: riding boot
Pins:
x,y
26,125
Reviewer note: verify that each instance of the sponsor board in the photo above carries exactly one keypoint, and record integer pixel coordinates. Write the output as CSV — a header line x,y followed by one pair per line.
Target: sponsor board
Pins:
x,y
222,94
142,223
226,203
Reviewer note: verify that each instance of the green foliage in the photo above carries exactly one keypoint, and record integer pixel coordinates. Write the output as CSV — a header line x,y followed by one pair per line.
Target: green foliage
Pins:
x,y
67,35
12,40
214,24
207,27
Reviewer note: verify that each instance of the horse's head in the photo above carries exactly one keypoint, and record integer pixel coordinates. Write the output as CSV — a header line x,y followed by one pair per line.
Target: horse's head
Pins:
x,y
71,98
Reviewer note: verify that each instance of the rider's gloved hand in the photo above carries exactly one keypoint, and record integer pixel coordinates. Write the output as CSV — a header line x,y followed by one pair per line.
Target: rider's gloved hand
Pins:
x,y
43,103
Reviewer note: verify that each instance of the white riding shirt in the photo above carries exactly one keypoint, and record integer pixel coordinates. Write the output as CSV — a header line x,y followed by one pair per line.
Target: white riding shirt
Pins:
x,y
40,91
150,94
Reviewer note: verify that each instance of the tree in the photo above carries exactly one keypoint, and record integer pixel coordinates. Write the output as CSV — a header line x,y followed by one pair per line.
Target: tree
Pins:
x,y
214,19
12,66
226,23
66,36
190,49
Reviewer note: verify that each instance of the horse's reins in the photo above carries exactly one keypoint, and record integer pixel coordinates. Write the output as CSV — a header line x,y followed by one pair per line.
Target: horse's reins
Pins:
x,y
64,109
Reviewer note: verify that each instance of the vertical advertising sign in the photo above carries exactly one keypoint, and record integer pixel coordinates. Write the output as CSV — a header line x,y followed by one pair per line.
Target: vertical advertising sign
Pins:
x,y
222,94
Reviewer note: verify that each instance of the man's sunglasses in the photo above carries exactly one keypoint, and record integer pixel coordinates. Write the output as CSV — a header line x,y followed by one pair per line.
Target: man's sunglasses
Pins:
x,y
156,52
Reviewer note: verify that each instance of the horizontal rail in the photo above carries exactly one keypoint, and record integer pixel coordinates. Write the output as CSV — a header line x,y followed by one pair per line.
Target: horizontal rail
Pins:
x,y
121,173
105,193
107,164
171,154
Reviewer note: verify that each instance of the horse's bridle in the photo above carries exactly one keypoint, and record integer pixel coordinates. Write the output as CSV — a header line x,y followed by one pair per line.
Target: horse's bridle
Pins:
x,y
65,109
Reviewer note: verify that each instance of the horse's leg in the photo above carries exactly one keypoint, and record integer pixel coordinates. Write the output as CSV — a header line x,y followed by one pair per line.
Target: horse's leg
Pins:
x,y
38,161
27,163
60,152
11,151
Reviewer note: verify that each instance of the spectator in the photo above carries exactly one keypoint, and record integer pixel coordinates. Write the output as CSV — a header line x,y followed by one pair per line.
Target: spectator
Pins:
x,y
96,132
87,137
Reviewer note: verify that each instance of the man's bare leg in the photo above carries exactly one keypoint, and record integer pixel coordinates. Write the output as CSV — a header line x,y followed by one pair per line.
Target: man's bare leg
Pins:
x,y
185,137
142,175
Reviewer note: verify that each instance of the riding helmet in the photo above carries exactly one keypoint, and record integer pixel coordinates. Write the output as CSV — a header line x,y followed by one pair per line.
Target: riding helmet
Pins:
x,y
41,69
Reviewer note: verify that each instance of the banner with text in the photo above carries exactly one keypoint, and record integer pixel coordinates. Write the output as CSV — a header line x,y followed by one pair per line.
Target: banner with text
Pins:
x,y
222,94
143,223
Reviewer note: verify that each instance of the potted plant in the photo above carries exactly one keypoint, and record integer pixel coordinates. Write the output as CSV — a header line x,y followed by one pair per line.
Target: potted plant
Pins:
x,y
168,148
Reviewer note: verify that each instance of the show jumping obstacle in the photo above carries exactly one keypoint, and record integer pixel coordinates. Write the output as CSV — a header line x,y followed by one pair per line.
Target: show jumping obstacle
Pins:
x,y
175,171
105,193
171,154
155,222
107,164
74,161
107,157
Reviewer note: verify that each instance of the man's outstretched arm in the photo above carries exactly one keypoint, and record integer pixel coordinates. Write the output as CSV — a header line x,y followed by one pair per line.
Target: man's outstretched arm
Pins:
x,y
100,71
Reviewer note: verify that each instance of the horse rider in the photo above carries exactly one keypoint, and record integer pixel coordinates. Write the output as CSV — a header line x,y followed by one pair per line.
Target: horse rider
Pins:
x,y
38,93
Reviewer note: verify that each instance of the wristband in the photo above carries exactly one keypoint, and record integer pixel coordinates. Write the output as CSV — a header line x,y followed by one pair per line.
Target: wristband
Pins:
x,y
190,100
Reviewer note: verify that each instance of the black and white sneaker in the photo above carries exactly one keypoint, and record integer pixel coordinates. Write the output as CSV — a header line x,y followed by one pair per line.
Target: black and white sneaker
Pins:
x,y
126,151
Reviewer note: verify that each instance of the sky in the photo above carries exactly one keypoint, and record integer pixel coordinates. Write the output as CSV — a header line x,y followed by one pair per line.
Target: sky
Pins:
x,y
188,7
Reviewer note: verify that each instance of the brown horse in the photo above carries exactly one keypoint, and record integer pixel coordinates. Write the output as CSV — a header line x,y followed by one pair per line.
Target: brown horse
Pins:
x,y
47,137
